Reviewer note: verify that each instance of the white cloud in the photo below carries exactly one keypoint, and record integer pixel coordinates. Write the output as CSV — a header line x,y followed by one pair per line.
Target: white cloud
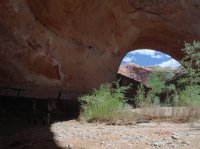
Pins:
x,y
133,58
157,56
170,63
129,59
150,53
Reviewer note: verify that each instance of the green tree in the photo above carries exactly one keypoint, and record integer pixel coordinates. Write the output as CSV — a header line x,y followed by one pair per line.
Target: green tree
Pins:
x,y
190,91
169,91
191,62
157,83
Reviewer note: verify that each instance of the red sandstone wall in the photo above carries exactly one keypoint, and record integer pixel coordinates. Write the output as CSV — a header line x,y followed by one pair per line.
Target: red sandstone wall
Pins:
x,y
74,45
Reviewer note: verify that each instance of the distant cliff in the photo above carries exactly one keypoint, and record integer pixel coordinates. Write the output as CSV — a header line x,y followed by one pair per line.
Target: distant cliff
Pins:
x,y
142,74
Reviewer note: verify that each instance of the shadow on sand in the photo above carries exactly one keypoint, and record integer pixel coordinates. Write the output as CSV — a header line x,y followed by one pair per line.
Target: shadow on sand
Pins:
x,y
16,132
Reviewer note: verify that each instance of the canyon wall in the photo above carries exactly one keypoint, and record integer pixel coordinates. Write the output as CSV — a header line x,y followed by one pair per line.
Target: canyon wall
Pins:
x,y
65,48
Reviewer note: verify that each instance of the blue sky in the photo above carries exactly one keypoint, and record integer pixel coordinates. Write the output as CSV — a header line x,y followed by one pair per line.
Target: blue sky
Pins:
x,y
146,57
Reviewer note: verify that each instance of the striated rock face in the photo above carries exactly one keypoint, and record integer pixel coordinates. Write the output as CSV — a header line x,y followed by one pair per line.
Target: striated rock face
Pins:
x,y
142,74
135,72
72,46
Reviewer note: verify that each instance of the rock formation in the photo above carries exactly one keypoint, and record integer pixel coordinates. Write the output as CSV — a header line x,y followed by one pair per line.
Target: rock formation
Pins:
x,y
72,46
135,72
142,74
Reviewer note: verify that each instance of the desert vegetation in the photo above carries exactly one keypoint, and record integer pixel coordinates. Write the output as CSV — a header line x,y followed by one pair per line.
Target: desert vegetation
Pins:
x,y
177,100
104,104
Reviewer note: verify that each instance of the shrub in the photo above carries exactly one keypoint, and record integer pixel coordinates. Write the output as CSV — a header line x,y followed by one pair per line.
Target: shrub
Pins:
x,y
190,96
139,98
104,104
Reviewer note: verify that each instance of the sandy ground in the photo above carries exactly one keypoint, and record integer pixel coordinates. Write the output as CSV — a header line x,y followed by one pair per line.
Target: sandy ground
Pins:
x,y
78,135
144,135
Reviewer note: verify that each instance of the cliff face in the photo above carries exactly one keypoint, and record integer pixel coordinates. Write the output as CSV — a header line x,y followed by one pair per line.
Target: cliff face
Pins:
x,y
72,46
143,74
135,72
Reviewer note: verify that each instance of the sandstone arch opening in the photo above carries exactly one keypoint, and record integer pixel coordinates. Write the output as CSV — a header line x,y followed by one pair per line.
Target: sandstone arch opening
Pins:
x,y
146,59
138,65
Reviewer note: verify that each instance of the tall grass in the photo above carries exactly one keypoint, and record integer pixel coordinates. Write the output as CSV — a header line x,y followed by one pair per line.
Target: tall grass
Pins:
x,y
175,114
105,104
190,96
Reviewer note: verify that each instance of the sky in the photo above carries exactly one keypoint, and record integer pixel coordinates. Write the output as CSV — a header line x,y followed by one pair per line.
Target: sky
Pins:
x,y
146,57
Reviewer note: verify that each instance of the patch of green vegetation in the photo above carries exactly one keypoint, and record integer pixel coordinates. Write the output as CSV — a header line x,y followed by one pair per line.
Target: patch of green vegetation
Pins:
x,y
189,94
105,104
140,98
158,86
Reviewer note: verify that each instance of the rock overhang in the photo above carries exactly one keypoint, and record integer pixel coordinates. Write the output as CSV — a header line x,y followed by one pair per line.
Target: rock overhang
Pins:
x,y
74,46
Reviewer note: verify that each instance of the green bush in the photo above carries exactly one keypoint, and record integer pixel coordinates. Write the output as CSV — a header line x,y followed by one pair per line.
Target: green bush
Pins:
x,y
104,104
140,97
190,96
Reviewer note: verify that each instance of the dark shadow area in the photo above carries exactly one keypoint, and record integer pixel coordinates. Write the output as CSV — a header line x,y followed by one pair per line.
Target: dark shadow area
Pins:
x,y
22,127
